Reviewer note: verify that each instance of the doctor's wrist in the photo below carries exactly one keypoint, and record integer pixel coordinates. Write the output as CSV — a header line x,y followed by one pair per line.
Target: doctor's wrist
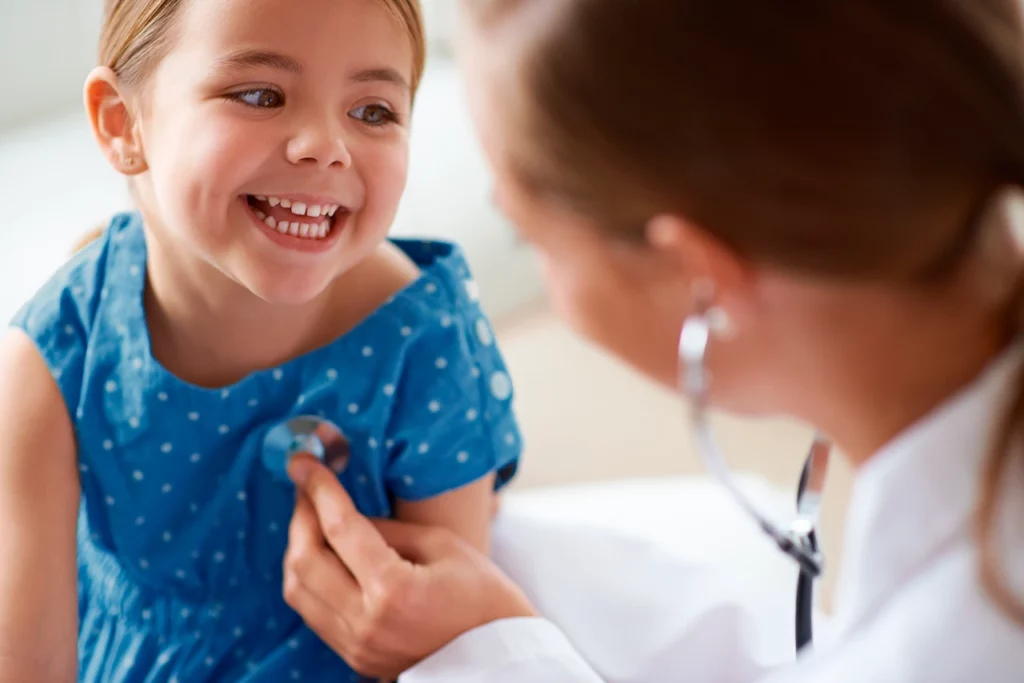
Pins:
x,y
507,602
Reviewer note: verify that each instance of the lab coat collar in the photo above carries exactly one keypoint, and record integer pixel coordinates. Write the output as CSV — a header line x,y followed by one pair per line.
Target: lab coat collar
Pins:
x,y
919,493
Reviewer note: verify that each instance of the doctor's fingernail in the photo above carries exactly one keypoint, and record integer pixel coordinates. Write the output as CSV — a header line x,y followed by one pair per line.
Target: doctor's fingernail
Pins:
x,y
299,469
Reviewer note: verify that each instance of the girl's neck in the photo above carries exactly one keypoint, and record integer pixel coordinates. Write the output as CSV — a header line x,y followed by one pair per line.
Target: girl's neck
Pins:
x,y
212,332
213,340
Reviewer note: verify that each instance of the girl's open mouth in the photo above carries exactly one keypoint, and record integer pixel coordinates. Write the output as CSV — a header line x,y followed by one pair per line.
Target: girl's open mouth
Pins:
x,y
298,219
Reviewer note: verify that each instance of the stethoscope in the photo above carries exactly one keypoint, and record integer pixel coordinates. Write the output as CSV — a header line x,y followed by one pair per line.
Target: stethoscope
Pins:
x,y
799,540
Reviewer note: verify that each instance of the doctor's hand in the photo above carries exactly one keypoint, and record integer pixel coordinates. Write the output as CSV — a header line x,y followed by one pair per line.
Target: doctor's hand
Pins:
x,y
384,594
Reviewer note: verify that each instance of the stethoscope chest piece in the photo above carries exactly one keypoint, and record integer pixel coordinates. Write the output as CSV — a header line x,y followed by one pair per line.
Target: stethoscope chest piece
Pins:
x,y
316,436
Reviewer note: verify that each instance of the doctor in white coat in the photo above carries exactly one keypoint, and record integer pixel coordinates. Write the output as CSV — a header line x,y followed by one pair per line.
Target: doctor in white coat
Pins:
x,y
823,182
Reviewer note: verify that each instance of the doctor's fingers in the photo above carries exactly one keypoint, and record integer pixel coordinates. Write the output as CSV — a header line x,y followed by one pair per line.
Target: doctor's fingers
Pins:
x,y
331,627
354,539
310,567
355,626
319,616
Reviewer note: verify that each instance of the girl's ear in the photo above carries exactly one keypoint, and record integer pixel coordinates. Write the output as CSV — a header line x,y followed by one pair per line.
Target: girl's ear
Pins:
x,y
112,123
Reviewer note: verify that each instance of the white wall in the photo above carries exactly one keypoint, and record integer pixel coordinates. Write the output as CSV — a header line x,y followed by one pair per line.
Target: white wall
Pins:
x,y
47,47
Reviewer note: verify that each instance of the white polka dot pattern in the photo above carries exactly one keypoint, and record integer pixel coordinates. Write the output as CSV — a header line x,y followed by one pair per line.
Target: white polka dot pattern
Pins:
x,y
501,386
483,332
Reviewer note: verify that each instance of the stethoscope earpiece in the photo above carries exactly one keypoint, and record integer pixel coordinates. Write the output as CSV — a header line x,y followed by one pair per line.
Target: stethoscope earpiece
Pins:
x,y
316,436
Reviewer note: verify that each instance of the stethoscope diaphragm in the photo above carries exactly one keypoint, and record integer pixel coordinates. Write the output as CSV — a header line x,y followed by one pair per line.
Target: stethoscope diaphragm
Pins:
x,y
309,434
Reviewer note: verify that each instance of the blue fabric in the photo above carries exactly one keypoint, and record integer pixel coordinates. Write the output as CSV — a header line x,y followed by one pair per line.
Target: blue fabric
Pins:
x,y
182,530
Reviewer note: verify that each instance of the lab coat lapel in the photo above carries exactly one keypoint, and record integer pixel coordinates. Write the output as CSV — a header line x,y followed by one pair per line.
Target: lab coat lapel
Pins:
x,y
918,494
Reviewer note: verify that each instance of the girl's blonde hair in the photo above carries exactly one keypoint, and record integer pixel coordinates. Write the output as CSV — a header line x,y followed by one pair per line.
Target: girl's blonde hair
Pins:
x,y
808,137
136,34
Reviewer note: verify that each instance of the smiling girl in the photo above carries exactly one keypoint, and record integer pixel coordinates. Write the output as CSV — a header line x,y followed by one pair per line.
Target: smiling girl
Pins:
x,y
266,142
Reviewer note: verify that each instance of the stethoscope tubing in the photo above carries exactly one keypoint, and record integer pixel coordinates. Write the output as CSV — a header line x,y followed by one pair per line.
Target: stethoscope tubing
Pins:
x,y
799,541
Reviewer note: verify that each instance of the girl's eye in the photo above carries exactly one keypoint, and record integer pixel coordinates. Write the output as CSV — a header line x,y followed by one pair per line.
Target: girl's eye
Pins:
x,y
259,98
374,115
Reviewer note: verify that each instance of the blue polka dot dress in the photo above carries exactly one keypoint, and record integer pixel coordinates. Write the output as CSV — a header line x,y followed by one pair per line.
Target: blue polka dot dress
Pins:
x,y
182,529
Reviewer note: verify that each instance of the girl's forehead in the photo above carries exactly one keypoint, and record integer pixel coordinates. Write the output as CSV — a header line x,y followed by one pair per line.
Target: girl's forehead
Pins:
x,y
315,33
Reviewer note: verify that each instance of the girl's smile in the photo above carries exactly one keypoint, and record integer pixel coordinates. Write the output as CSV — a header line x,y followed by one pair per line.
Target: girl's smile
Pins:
x,y
300,222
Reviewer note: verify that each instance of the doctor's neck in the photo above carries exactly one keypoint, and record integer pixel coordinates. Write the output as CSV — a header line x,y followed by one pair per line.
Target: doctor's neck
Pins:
x,y
883,358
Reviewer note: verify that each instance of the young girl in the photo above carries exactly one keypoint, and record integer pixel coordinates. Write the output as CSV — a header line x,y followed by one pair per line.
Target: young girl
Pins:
x,y
266,143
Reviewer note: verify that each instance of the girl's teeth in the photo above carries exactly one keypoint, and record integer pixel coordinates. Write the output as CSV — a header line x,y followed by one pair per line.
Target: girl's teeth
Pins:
x,y
300,208
295,228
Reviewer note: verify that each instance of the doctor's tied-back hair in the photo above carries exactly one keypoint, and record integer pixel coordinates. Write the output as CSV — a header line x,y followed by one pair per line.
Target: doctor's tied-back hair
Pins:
x,y
816,136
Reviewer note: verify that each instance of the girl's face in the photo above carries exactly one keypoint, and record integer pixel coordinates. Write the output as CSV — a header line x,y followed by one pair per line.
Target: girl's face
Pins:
x,y
276,138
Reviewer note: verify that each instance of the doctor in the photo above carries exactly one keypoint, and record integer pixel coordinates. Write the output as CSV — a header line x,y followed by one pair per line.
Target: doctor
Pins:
x,y
827,181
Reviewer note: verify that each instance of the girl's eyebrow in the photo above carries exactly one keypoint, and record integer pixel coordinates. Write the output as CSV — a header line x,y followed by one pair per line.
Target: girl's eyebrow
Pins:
x,y
241,59
381,75
248,58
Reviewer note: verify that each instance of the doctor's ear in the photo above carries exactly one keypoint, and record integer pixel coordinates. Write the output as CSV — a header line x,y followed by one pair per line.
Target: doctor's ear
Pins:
x,y
113,122
702,256
714,270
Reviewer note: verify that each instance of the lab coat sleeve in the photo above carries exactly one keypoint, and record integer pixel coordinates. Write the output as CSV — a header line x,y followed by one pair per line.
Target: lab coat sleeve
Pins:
x,y
532,650
616,611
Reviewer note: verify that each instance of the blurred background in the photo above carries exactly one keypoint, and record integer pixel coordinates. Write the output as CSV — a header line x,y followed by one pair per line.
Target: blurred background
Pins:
x,y
585,417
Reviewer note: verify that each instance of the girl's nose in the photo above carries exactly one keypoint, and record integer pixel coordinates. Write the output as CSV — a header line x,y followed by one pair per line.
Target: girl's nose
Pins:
x,y
322,145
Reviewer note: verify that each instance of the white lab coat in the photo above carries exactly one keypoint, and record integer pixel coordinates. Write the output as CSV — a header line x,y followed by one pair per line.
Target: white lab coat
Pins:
x,y
910,608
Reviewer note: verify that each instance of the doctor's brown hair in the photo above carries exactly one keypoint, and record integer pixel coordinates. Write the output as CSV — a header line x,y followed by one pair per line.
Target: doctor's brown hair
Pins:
x,y
820,137
136,34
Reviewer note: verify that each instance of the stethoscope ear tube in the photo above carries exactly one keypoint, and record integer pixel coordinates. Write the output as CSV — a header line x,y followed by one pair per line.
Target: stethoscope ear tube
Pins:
x,y
799,541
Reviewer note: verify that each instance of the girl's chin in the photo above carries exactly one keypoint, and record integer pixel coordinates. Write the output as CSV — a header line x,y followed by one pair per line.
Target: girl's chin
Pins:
x,y
284,291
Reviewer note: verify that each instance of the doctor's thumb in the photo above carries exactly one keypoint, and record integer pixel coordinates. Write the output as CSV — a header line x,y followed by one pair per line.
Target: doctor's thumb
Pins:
x,y
420,544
